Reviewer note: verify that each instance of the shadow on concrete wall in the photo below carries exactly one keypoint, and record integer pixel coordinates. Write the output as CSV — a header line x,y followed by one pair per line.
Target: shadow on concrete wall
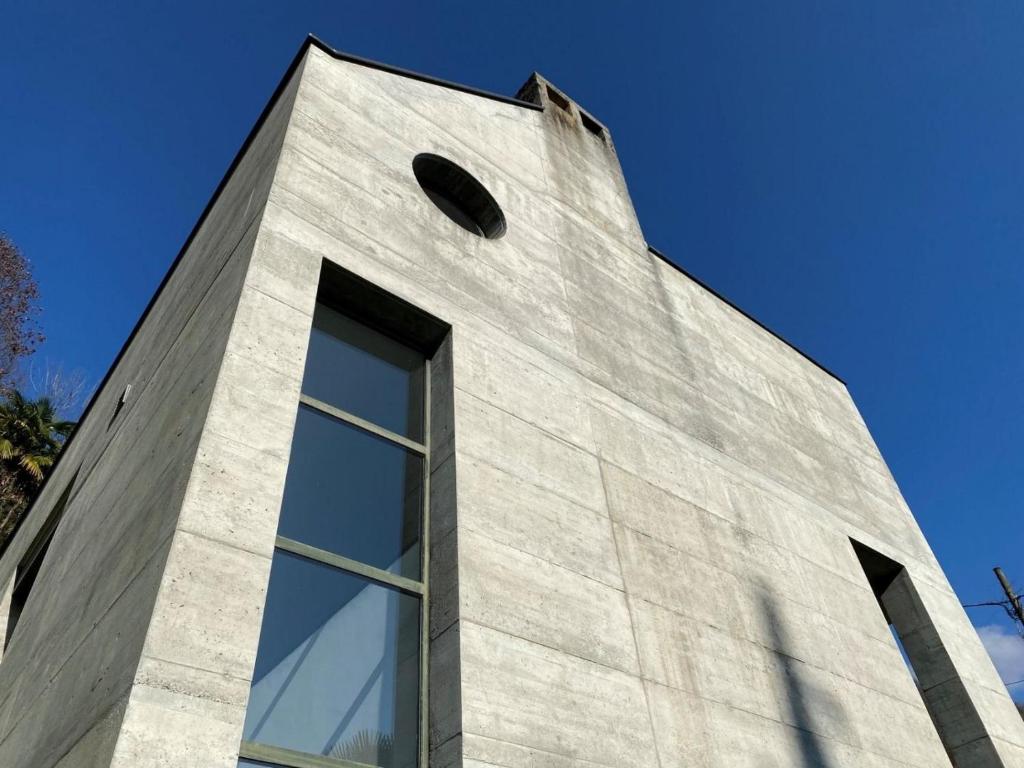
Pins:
x,y
808,705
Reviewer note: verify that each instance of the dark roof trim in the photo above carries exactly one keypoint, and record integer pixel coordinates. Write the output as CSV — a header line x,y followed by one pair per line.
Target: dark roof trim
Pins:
x,y
341,56
747,315
166,278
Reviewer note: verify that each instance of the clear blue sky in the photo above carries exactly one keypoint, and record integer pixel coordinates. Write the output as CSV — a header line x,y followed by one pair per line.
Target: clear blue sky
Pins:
x,y
850,173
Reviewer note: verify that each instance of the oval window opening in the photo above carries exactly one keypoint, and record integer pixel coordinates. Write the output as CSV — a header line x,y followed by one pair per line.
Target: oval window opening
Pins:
x,y
460,197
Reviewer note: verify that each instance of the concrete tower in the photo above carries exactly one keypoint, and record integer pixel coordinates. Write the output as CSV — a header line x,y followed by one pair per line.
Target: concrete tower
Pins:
x,y
421,456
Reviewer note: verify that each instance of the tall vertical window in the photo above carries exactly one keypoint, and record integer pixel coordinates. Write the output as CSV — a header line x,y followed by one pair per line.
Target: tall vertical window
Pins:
x,y
341,668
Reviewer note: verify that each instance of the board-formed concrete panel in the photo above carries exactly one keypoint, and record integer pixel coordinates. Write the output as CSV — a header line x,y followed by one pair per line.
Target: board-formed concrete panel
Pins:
x,y
642,501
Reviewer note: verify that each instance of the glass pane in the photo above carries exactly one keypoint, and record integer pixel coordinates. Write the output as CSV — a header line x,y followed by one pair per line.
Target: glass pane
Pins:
x,y
243,763
365,373
354,494
337,671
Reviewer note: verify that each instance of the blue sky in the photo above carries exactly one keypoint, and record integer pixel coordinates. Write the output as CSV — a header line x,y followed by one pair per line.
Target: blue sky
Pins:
x,y
850,173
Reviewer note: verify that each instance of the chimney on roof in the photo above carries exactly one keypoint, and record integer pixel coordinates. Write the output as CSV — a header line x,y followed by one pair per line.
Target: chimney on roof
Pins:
x,y
539,90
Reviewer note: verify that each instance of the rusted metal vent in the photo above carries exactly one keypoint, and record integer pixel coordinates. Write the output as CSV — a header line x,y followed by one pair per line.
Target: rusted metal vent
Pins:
x,y
460,197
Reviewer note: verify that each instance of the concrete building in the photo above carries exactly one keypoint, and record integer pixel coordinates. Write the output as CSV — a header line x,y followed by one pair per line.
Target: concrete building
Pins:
x,y
422,456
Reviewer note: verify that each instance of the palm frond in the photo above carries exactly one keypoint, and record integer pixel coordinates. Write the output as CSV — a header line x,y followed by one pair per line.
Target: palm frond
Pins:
x,y
31,437
32,465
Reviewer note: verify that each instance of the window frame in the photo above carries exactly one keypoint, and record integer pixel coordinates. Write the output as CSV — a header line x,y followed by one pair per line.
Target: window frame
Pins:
x,y
927,660
288,758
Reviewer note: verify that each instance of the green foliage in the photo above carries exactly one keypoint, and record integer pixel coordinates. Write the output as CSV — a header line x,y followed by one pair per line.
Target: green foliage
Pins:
x,y
31,437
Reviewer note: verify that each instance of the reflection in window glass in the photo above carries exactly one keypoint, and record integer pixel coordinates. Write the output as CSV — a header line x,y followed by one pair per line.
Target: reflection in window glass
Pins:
x,y
354,494
354,368
337,659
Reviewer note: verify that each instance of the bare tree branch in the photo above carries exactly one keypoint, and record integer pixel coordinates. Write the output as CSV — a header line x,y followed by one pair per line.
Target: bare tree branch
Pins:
x,y
19,331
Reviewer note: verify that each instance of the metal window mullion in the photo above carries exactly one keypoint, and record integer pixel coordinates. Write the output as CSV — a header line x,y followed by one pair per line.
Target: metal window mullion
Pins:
x,y
289,758
424,708
352,566
363,424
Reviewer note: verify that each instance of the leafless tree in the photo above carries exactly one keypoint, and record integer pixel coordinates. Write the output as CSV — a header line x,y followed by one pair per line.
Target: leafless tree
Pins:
x,y
19,331
66,390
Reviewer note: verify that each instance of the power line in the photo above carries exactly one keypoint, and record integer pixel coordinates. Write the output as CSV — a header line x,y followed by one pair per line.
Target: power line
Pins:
x,y
1013,605
998,603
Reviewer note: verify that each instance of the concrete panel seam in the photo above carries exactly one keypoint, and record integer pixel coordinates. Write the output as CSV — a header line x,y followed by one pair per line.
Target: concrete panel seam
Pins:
x,y
739,573
99,719
521,420
163,542
552,491
632,618
398,139
771,485
351,225
575,759
441,299
221,543
789,726
693,620
154,657
482,532
851,580
539,644
793,484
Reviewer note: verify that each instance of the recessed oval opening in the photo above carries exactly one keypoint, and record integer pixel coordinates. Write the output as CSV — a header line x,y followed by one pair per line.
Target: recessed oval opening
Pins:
x,y
459,196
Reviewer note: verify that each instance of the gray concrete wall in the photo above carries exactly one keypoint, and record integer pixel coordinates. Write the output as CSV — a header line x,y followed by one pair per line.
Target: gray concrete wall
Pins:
x,y
641,501
66,678
649,560
187,704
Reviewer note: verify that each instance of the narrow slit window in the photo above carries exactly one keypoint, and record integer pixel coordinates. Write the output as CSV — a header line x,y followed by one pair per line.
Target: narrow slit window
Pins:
x,y
27,573
592,125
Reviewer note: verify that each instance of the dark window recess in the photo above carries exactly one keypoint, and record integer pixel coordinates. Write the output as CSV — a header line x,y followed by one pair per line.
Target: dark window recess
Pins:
x,y
459,196
28,569
592,125
558,99
375,308
956,720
